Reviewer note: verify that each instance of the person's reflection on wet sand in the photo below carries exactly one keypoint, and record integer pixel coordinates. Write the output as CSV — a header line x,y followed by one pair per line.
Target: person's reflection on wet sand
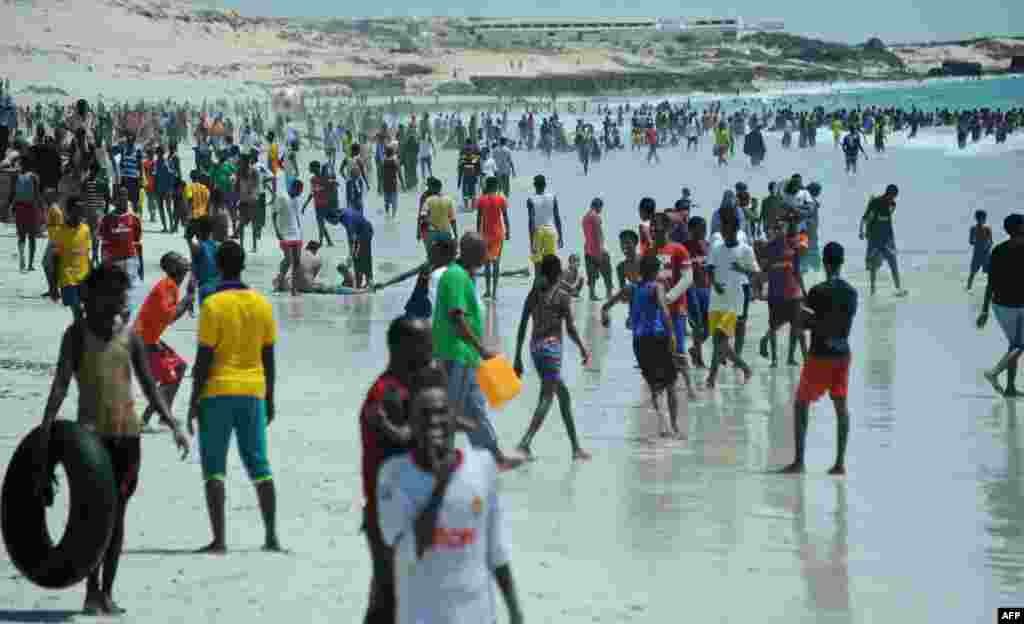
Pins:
x,y
595,336
825,574
1004,493
358,326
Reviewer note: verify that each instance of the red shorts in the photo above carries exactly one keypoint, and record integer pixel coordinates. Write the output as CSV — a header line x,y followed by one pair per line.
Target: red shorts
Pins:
x,y
164,364
28,218
821,375
291,244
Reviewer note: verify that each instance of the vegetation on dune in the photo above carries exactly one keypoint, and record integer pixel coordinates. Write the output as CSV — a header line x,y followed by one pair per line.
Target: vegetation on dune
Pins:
x,y
826,52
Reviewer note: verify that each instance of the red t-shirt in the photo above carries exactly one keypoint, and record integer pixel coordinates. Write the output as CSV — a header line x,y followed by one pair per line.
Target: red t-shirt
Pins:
x,y
592,243
149,166
652,136
321,187
121,235
376,450
675,261
698,257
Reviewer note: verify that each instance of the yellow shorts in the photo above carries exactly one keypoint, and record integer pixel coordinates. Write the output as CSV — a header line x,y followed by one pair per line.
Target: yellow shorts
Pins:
x,y
545,243
719,321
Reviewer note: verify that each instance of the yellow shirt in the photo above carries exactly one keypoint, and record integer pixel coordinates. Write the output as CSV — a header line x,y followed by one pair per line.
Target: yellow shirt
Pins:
x,y
441,212
54,220
236,323
73,245
199,195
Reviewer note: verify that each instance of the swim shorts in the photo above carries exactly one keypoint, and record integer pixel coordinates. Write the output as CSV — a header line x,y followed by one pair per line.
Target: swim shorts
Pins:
x,y
547,358
721,321
821,375
164,363
657,363
71,296
545,243
125,457
247,417
290,244
679,327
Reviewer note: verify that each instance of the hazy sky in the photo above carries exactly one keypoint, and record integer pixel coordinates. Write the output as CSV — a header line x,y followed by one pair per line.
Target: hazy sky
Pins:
x,y
850,21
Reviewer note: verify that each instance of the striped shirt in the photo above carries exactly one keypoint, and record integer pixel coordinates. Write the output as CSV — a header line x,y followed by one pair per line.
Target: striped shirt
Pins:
x,y
94,198
131,163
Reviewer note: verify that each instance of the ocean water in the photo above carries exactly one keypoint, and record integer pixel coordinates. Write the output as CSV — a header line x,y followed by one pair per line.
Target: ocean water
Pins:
x,y
928,525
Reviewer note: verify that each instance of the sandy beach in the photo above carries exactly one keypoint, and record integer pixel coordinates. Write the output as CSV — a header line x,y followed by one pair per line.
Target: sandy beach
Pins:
x,y
926,527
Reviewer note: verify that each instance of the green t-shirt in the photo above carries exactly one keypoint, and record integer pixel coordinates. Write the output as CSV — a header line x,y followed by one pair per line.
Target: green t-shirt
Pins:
x,y
456,291
221,176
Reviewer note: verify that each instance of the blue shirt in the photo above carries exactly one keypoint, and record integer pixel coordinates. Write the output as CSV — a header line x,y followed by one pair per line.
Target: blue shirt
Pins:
x,y
644,312
131,160
356,225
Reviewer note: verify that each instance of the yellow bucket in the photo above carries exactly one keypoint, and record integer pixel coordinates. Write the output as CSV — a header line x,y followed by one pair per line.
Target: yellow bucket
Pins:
x,y
498,381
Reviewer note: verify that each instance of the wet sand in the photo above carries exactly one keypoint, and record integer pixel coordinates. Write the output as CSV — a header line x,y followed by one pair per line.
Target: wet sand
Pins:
x,y
926,527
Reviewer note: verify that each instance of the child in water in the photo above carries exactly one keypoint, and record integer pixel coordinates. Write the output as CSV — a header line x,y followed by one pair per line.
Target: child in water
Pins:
x,y
980,238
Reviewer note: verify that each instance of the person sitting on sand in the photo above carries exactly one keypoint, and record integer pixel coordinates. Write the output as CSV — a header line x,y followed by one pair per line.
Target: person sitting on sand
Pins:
x,y
102,354
833,304
549,306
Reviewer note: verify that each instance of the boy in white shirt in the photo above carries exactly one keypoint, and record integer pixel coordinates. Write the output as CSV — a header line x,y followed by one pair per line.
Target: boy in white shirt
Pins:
x,y
438,508
730,266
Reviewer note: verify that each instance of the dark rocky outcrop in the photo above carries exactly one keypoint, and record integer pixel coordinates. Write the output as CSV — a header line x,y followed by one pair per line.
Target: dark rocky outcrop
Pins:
x,y
1017,64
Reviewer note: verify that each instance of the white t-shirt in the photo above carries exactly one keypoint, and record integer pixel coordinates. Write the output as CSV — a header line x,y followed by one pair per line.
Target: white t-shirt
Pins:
x,y
543,210
289,217
435,279
722,258
452,583
489,168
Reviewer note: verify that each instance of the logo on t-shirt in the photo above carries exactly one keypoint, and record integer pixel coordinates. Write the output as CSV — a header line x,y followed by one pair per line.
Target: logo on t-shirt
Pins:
x,y
478,505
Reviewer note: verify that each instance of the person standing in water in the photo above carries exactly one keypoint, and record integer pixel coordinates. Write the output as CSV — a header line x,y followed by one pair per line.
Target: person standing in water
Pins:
x,y
980,239
853,148
596,259
876,228
102,354
549,306
833,304
233,391
654,341
1004,294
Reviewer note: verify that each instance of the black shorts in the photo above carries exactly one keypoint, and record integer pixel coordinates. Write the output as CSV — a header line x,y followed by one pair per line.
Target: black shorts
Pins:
x,y
657,364
131,189
216,197
597,266
783,311
363,262
126,457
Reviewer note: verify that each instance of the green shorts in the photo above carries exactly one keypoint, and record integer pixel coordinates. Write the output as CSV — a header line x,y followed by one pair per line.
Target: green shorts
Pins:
x,y
247,417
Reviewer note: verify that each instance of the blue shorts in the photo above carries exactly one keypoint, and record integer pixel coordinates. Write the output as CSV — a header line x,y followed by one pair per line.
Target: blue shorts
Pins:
x,y
547,358
247,417
71,296
391,199
679,327
698,300
1011,319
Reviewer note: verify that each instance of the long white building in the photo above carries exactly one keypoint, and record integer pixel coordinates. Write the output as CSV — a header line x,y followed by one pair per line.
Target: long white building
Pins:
x,y
634,25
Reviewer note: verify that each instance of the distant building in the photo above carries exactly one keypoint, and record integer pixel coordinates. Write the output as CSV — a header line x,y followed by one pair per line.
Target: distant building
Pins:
x,y
636,26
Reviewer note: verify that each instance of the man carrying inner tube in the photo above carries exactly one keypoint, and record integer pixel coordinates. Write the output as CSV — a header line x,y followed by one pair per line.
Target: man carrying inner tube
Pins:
x,y
101,352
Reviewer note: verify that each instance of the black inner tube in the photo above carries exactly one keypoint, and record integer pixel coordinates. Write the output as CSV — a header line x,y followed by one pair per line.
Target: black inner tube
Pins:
x,y
93,507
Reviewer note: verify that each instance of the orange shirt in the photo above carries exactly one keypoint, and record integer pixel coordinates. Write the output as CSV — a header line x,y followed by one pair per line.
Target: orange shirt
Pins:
x,y
157,312
492,222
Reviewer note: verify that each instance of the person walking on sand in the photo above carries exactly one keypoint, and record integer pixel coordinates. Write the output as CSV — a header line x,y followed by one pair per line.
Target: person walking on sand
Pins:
x,y
458,343
980,239
676,276
439,509
233,390
102,354
384,429
287,221
162,307
1004,294
597,261
730,266
545,222
549,306
876,227
120,236
26,201
853,148
492,224
832,304
786,292
71,257
654,342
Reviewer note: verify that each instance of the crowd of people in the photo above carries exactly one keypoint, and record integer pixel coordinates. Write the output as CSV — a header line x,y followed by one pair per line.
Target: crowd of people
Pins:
x,y
433,516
